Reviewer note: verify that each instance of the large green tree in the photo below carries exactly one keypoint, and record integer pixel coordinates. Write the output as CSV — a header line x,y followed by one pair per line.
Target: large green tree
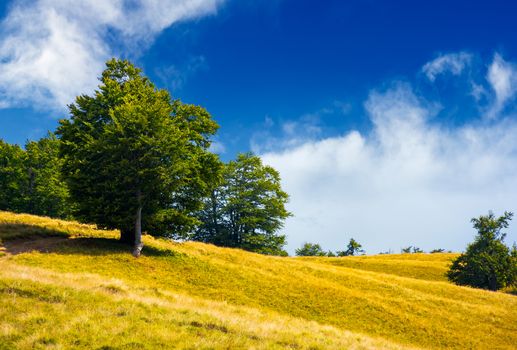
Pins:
x,y
134,157
487,262
246,208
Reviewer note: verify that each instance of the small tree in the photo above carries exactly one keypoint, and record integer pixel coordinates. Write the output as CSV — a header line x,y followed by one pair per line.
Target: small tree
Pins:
x,y
487,263
411,249
310,249
439,250
406,250
353,248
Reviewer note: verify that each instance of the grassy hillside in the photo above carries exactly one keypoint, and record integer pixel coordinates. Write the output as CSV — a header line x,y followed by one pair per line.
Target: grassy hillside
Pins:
x,y
67,285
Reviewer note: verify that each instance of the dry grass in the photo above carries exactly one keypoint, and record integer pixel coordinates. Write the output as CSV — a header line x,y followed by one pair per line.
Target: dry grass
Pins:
x,y
431,267
88,289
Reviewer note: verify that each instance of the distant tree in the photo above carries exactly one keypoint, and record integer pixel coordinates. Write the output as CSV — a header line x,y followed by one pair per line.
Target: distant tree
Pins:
x,y
411,249
47,193
13,178
439,250
133,157
353,248
310,249
487,263
246,208
331,254
406,250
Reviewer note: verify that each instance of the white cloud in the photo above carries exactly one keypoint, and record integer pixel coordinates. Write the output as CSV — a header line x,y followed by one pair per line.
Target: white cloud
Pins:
x,y
53,50
502,77
453,63
407,182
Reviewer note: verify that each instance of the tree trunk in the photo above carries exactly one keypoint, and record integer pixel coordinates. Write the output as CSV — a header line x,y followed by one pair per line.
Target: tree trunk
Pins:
x,y
138,228
215,224
492,282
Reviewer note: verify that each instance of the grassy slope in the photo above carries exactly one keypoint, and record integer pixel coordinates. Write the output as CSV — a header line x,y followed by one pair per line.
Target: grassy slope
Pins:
x,y
89,292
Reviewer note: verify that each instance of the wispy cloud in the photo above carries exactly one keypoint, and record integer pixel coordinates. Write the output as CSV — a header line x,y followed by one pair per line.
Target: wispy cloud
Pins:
x,y
174,77
502,76
408,181
453,63
294,132
53,50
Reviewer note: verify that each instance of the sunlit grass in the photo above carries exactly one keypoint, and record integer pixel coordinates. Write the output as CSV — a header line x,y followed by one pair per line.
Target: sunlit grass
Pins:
x,y
197,295
424,266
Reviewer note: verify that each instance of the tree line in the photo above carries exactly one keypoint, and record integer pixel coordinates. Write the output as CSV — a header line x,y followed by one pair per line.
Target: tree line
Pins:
x,y
314,249
132,158
487,263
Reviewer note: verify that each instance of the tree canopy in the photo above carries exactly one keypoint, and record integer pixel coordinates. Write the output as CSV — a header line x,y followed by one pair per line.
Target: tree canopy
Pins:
x,y
487,262
133,157
246,208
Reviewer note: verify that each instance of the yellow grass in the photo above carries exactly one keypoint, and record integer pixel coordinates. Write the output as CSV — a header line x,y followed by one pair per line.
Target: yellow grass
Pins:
x,y
82,289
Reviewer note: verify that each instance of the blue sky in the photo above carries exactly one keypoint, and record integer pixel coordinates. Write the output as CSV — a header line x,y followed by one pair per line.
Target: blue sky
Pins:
x,y
392,122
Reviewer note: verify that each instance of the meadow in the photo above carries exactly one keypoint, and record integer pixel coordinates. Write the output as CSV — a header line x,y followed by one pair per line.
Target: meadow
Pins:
x,y
68,285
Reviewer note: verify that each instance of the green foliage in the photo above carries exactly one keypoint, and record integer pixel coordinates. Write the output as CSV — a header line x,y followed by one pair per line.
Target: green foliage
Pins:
x,y
246,208
313,249
310,249
331,254
439,250
487,263
30,179
48,193
353,248
130,151
13,178
411,249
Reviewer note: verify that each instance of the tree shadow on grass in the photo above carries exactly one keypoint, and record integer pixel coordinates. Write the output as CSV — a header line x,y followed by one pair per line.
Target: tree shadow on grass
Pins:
x,y
10,231
22,238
